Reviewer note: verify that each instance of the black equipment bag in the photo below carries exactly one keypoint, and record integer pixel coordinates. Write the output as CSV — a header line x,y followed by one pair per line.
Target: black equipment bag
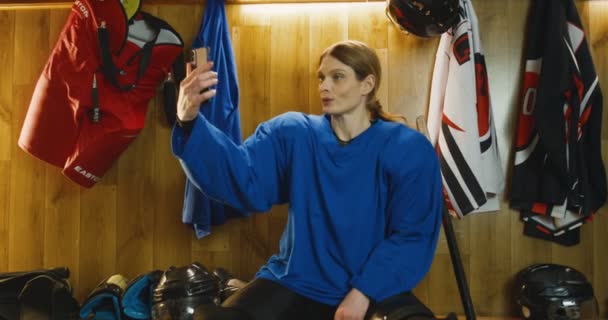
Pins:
x,y
37,294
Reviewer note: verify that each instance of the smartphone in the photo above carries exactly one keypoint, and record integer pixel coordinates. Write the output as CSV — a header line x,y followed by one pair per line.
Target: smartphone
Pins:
x,y
199,56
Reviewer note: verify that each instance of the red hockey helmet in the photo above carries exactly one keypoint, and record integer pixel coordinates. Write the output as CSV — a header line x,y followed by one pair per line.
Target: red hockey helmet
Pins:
x,y
424,18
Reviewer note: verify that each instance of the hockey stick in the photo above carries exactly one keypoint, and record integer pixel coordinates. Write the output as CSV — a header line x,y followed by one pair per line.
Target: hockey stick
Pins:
x,y
461,278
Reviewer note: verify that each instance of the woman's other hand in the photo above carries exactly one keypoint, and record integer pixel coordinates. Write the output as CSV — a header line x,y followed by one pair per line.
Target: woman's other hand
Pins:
x,y
194,90
353,307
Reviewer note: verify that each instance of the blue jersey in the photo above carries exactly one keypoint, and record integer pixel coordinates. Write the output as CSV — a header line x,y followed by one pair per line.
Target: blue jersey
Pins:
x,y
365,215
221,111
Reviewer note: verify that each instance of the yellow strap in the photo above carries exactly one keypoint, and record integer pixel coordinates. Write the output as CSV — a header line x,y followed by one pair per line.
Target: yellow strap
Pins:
x,y
131,7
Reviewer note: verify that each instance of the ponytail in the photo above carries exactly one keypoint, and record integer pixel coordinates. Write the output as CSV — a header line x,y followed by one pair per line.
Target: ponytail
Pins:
x,y
375,108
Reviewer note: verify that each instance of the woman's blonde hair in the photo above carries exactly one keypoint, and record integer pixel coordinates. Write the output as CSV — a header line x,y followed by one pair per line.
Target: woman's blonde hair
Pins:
x,y
364,62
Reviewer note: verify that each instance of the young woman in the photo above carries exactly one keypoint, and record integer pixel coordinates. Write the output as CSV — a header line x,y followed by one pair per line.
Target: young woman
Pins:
x,y
364,193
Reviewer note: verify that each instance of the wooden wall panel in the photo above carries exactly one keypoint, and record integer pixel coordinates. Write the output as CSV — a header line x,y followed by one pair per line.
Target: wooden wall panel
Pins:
x,y
61,223
492,242
365,24
410,61
135,220
438,290
172,239
492,231
600,258
5,171
27,189
7,25
598,41
30,55
97,242
27,197
130,222
252,52
289,50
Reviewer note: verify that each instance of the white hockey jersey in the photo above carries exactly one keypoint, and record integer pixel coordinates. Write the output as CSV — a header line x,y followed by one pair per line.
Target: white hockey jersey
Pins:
x,y
460,120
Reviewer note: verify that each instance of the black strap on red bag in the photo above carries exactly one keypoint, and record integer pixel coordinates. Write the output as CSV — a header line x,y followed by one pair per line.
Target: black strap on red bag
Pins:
x,y
108,67
170,86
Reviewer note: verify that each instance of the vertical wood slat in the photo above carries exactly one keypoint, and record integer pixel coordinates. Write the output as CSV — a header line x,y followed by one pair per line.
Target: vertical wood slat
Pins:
x,y
599,277
7,25
32,25
492,232
366,25
289,49
98,246
597,38
5,171
222,248
492,240
442,292
411,62
251,49
172,239
252,52
27,200
26,218
61,223
598,43
27,189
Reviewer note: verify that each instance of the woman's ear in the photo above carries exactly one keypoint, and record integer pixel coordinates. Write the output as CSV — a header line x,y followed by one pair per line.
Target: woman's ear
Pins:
x,y
368,84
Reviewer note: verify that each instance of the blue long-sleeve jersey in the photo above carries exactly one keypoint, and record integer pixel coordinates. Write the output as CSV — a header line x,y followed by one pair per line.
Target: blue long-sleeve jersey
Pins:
x,y
222,111
366,215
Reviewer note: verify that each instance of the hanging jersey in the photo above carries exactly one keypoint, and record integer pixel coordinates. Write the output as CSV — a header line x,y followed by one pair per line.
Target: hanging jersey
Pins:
x,y
82,116
222,111
558,163
536,230
460,120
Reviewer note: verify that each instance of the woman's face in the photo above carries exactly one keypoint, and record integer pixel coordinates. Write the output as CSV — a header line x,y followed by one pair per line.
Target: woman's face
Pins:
x,y
339,88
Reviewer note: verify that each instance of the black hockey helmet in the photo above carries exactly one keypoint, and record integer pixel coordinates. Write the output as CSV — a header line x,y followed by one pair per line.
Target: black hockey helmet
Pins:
x,y
555,292
181,290
424,18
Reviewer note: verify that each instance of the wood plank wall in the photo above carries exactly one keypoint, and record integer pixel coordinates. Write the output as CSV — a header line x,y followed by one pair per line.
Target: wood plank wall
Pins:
x,y
130,222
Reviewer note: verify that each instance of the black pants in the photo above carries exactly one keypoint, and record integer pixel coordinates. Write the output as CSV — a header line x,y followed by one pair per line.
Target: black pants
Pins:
x,y
267,300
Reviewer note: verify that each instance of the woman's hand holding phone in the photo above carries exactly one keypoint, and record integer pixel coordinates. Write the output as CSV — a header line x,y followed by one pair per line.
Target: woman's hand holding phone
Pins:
x,y
195,89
